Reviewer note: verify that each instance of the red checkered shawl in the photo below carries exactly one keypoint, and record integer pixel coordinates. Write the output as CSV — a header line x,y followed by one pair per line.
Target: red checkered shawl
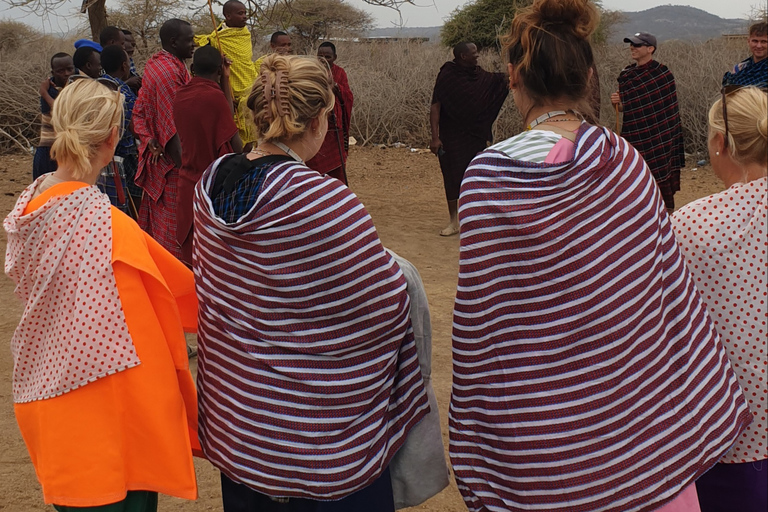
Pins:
x,y
652,117
164,73
308,374
587,374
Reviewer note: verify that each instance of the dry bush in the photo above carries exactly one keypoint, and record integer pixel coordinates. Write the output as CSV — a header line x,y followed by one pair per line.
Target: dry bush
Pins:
x,y
24,63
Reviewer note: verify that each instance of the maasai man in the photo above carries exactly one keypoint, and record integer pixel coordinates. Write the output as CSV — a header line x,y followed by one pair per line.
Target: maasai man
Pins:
x,y
332,157
648,97
754,69
62,68
87,61
233,39
160,148
280,43
465,103
202,111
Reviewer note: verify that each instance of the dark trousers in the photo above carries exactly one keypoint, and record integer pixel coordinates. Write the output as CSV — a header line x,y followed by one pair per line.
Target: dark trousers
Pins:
x,y
734,488
377,497
135,501
42,163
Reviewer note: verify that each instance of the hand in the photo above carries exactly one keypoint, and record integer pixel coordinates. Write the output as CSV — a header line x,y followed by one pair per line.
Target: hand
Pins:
x,y
226,65
134,83
45,85
615,99
155,151
435,145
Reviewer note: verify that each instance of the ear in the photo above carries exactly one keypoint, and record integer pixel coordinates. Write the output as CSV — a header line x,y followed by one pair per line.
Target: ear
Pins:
x,y
717,141
514,76
314,124
114,137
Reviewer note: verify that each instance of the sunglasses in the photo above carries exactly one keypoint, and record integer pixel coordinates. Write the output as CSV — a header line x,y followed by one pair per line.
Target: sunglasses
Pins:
x,y
724,92
635,45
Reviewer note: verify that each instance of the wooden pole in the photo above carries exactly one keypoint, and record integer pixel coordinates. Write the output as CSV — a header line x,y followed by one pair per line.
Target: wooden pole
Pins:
x,y
617,118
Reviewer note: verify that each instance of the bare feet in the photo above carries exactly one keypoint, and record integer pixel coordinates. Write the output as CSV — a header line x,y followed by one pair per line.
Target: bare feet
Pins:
x,y
451,229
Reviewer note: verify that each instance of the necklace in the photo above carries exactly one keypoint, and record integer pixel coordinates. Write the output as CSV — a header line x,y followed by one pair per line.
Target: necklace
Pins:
x,y
260,152
545,118
291,153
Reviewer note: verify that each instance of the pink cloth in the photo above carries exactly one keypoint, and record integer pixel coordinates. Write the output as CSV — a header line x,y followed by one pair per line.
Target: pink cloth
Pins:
x,y
562,152
73,329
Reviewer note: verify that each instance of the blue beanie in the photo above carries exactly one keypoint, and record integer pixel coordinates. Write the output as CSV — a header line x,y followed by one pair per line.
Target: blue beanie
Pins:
x,y
87,42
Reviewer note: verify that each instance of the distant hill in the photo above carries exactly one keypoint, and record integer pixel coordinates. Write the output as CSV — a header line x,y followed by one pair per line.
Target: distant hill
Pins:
x,y
676,22
665,22
433,33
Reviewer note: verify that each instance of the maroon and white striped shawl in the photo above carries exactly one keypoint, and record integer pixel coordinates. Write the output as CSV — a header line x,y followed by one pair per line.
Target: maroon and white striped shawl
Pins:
x,y
308,374
587,373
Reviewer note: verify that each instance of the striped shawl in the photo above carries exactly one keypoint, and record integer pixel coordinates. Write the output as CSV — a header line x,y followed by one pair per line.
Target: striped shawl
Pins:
x,y
587,373
308,373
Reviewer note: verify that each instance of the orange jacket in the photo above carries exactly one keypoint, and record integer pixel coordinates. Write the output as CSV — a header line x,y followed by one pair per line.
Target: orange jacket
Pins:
x,y
137,429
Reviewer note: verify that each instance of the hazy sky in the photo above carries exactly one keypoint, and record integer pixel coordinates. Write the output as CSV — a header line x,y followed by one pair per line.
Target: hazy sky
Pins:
x,y
425,13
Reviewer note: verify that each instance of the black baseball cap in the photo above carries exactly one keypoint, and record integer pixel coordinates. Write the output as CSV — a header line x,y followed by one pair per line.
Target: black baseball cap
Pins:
x,y
642,38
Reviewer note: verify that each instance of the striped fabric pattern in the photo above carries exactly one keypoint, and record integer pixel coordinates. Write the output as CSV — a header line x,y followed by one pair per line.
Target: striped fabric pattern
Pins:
x,y
587,373
308,374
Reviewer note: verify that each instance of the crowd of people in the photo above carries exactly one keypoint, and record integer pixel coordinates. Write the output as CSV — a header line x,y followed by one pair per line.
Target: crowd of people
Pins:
x,y
609,352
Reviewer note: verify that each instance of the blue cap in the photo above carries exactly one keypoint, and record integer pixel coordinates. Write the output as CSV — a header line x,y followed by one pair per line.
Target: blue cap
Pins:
x,y
87,42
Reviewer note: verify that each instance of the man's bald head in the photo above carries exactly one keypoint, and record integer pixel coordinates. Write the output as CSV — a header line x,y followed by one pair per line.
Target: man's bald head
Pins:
x,y
465,54
232,5
172,29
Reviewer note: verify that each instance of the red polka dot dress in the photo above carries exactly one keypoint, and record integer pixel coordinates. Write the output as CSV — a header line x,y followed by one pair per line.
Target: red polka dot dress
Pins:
x,y
725,243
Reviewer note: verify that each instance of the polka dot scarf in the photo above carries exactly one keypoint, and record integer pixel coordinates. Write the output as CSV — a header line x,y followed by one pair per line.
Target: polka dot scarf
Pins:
x,y
73,329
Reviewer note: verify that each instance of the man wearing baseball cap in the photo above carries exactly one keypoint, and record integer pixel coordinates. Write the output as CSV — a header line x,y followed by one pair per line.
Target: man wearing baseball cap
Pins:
x,y
648,97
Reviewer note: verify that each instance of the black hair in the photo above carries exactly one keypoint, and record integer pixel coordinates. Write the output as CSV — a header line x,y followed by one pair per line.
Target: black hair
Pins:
x,y
460,49
127,32
81,56
59,56
229,4
330,45
110,33
112,57
277,34
206,61
172,28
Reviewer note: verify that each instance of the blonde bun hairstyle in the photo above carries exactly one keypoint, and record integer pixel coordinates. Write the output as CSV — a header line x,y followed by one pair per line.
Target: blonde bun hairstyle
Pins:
x,y
299,89
548,44
83,116
747,124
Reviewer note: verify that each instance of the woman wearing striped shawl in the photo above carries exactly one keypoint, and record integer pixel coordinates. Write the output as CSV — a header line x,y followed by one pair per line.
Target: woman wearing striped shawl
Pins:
x,y
308,376
587,373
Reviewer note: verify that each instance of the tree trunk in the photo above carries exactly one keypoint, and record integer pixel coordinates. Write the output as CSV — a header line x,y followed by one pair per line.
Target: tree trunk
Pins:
x,y
97,17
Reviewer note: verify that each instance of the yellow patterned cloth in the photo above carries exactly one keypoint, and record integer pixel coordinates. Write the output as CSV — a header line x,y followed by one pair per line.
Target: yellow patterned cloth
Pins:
x,y
236,44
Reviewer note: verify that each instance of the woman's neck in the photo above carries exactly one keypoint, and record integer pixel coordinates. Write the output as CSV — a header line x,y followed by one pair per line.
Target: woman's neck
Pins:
x,y
737,173
535,112
64,173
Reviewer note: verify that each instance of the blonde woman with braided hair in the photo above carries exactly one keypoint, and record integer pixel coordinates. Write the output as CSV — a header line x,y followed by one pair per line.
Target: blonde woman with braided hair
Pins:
x,y
724,240
308,376
102,390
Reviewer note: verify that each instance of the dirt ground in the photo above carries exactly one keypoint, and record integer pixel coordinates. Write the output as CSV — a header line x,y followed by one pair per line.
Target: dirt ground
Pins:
x,y
404,194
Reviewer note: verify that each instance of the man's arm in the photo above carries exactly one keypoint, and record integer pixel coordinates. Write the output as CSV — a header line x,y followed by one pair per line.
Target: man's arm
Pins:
x,y
44,92
434,123
237,143
173,150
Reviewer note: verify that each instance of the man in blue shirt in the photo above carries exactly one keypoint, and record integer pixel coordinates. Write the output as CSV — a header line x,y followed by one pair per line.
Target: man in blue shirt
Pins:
x,y
754,69
116,66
